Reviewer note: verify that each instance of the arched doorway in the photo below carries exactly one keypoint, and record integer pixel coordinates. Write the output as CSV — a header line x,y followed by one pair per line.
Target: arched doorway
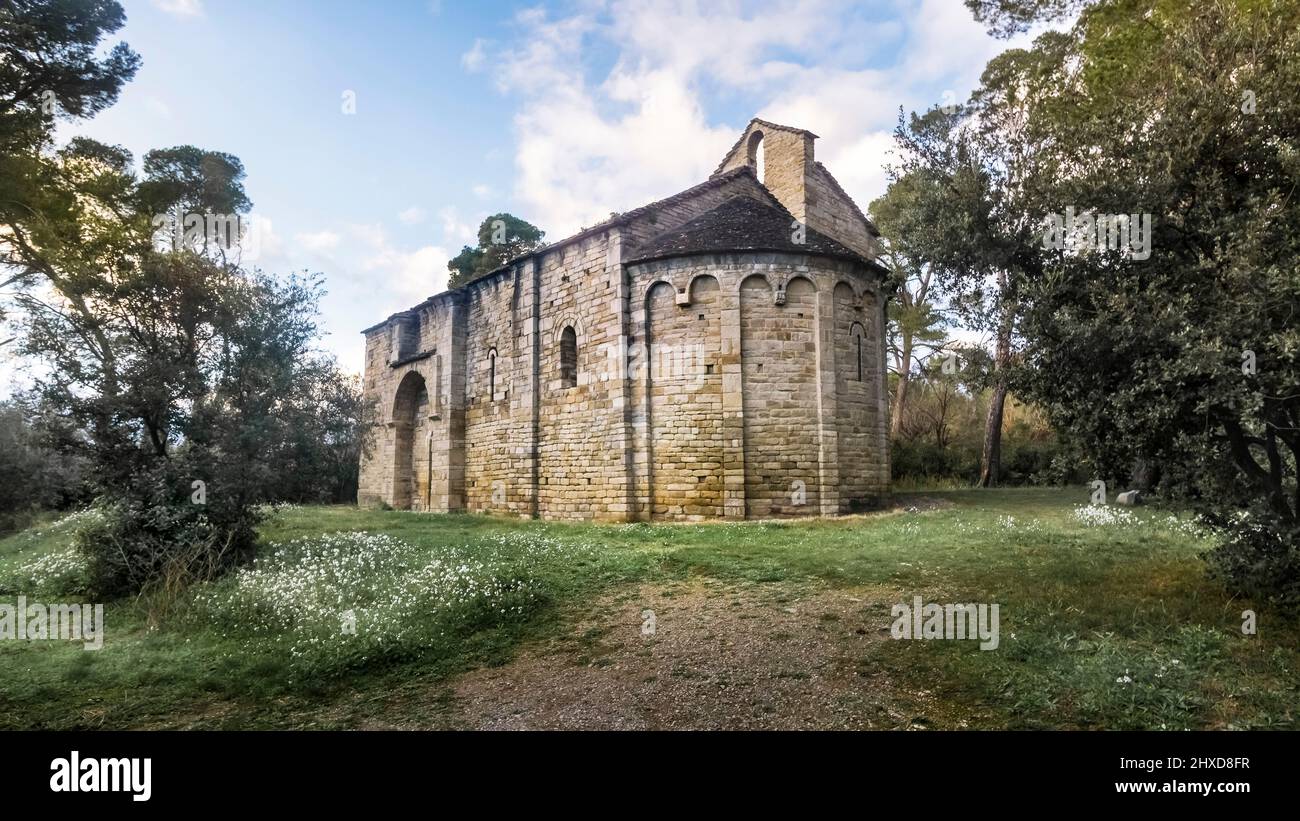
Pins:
x,y
411,444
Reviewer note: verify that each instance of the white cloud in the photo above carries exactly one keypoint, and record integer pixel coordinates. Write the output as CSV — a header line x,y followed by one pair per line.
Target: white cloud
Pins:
x,y
474,59
319,241
412,215
588,144
482,191
946,44
372,235
456,231
414,275
370,277
180,8
575,161
262,246
407,277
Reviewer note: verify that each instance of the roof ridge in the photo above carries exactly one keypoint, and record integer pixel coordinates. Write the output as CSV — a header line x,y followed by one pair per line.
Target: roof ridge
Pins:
x,y
792,128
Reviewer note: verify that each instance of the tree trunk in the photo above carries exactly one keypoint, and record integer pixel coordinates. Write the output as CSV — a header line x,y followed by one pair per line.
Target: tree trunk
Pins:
x,y
900,395
991,461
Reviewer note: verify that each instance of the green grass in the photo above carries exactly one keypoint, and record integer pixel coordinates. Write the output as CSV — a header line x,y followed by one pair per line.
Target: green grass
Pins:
x,y
1083,607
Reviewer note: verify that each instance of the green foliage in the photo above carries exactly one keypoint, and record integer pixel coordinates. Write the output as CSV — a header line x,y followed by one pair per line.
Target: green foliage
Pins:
x,y
192,179
313,454
501,238
1261,560
49,57
35,472
922,463
1005,18
915,324
219,403
960,202
940,438
1144,359
1184,111
51,67
194,386
466,266
347,601
43,561
151,535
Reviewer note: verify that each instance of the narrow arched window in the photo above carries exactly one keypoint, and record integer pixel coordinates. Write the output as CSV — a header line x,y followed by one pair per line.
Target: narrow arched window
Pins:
x,y
568,358
859,358
492,376
755,154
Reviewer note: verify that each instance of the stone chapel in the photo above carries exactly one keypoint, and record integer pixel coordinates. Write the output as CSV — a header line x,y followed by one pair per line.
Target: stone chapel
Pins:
x,y
719,354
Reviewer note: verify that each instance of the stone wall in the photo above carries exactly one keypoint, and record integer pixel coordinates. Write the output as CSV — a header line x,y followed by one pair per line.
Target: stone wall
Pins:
x,y
787,161
781,377
682,351
494,350
581,435
720,385
859,426
708,385
431,337
778,349
830,211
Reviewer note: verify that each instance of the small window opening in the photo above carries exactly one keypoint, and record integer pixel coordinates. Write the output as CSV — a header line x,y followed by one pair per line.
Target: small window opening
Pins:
x,y
569,357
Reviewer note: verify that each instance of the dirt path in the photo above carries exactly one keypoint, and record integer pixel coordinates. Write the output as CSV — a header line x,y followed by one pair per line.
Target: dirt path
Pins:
x,y
719,657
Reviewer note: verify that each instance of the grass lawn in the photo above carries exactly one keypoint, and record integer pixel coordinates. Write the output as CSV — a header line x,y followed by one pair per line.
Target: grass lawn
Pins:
x,y
1107,621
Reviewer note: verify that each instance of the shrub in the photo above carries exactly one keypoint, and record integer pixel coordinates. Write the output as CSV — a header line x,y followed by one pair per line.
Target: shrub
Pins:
x,y
1025,461
1259,558
151,536
923,461
37,476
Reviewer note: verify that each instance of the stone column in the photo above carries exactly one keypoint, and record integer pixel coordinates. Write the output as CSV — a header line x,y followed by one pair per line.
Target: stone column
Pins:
x,y
525,396
733,403
828,451
455,408
637,416
622,500
446,385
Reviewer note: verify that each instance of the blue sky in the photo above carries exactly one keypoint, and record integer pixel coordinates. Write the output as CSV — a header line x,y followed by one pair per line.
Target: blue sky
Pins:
x,y
559,113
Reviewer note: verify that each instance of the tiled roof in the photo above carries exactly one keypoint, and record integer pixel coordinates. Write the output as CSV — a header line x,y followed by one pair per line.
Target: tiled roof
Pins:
x,y
627,216
741,223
